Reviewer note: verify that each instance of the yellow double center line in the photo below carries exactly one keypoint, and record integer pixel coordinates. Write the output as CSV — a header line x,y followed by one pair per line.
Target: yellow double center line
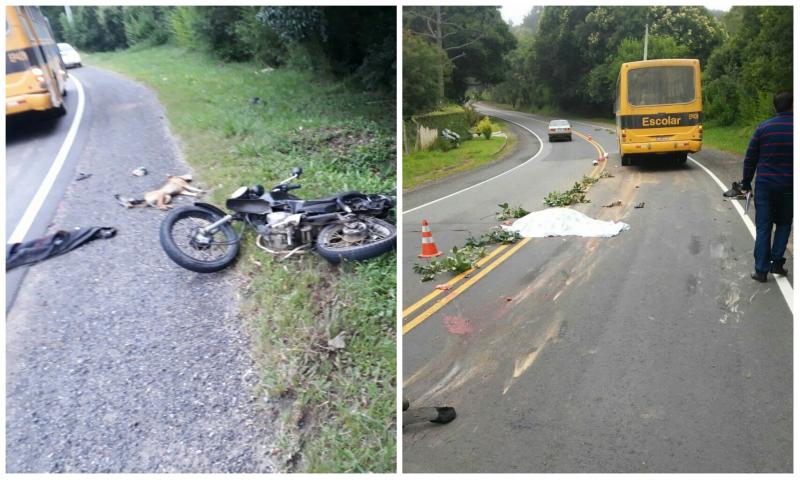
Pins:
x,y
407,327
444,301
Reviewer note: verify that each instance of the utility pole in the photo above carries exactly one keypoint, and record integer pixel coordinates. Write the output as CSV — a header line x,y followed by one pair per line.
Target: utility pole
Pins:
x,y
68,11
645,41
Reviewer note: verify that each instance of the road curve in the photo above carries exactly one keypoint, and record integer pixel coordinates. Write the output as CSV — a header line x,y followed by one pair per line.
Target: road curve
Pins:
x,y
118,360
652,351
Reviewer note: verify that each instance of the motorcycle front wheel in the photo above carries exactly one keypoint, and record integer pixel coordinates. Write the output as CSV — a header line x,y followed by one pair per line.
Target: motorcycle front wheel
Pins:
x,y
333,244
185,244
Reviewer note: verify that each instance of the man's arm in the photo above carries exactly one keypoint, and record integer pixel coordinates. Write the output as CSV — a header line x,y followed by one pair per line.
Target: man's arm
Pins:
x,y
750,160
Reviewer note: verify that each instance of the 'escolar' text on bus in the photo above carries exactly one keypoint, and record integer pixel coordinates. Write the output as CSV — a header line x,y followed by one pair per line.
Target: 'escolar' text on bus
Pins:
x,y
655,122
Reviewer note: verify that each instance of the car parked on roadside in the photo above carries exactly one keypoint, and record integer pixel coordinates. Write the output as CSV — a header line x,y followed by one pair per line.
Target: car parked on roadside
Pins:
x,y
559,129
69,55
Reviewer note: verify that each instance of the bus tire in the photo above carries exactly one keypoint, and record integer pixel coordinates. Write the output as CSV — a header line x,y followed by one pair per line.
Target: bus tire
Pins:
x,y
680,158
625,160
60,111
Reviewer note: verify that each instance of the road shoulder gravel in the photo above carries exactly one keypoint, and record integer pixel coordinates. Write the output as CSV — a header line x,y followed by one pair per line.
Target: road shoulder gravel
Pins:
x,y
118,360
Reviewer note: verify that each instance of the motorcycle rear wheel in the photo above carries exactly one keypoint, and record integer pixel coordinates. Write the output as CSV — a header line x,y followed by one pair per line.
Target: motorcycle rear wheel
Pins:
x,y
382,237
178,236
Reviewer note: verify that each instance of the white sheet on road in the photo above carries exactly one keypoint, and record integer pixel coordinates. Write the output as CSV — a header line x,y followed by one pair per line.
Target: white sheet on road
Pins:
x,y
560,222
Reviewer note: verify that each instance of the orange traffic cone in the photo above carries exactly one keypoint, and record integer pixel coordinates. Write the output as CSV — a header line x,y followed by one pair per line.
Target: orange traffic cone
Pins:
x,y
429,248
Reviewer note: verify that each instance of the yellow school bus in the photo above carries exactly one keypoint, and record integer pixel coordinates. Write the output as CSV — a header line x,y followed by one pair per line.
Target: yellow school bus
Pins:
x,y
659,109
35,75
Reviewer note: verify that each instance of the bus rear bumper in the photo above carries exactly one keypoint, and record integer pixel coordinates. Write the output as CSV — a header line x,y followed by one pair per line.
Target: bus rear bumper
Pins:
x,y
28,102
690,146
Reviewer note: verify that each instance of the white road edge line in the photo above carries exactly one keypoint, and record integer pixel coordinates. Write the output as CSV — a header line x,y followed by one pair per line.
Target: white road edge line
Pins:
x,y
541,146
783,284
44,189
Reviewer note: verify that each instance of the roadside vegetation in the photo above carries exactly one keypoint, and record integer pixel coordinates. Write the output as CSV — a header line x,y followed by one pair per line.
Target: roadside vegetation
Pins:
x,y
425,166
324,336
564,60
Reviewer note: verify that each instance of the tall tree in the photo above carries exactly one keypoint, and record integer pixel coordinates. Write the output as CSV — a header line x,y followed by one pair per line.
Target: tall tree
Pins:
x,y
475,40
753,64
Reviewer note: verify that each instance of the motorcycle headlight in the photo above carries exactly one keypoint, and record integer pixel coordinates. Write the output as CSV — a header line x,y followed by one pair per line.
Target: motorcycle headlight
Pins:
x,y
239,192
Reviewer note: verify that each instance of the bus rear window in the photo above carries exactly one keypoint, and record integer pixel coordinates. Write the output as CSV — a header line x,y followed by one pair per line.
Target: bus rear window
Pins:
x,y
660,85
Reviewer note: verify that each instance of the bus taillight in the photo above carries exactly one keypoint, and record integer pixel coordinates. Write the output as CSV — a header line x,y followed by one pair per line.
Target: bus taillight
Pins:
x,y
39,74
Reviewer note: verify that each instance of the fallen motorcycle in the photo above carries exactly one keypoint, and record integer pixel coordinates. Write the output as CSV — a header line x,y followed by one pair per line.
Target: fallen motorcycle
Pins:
x,y
345,226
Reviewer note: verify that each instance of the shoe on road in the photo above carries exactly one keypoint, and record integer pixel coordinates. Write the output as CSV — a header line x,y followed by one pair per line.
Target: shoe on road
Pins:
x,y
759,276
778,269
445,415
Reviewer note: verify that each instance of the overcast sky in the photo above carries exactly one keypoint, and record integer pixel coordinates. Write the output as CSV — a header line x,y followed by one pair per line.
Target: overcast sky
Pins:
x,y
516,11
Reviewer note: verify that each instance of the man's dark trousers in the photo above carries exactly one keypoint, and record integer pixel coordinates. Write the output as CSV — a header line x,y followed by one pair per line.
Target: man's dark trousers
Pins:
x,y
773,206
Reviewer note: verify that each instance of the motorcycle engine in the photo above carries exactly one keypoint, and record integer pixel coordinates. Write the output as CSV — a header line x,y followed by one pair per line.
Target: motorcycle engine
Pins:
x,y
277,236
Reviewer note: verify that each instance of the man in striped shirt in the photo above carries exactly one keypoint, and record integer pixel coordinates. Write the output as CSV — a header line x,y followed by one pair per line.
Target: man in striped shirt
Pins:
x,y
769,157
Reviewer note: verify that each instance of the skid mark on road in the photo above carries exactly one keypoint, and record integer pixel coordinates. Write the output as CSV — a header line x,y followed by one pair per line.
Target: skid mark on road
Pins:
x,y
783,284
525,361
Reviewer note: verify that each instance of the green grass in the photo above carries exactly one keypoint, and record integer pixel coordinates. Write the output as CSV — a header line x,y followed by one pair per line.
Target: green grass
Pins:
x,y
425,166
447,109
732,139
334,409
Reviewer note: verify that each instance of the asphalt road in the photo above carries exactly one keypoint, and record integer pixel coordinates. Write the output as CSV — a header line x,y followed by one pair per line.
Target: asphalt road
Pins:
x,y
652,351
32,145
118,360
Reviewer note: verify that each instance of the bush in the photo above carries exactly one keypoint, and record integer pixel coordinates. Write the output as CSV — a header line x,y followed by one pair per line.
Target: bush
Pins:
x,y
443,144
485,128
181,22
147,25
455,121
260,43
471,114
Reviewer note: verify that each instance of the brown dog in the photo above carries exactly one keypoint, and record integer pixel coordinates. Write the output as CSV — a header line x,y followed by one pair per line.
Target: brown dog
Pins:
x,y
175,185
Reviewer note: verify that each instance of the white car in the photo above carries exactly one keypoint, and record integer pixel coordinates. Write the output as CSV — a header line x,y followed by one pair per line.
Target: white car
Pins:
x,y
69,55
559,129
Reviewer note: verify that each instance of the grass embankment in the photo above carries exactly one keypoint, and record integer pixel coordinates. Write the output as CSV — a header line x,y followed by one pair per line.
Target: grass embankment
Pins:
x,y
335,409
425,166
731,139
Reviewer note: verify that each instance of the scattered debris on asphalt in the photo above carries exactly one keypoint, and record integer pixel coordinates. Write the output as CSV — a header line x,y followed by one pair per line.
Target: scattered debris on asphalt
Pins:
x,y
507,212
639,205
558,222
443,286
82,176
34,251
459,261
494,236
618,203
139,172
128,202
